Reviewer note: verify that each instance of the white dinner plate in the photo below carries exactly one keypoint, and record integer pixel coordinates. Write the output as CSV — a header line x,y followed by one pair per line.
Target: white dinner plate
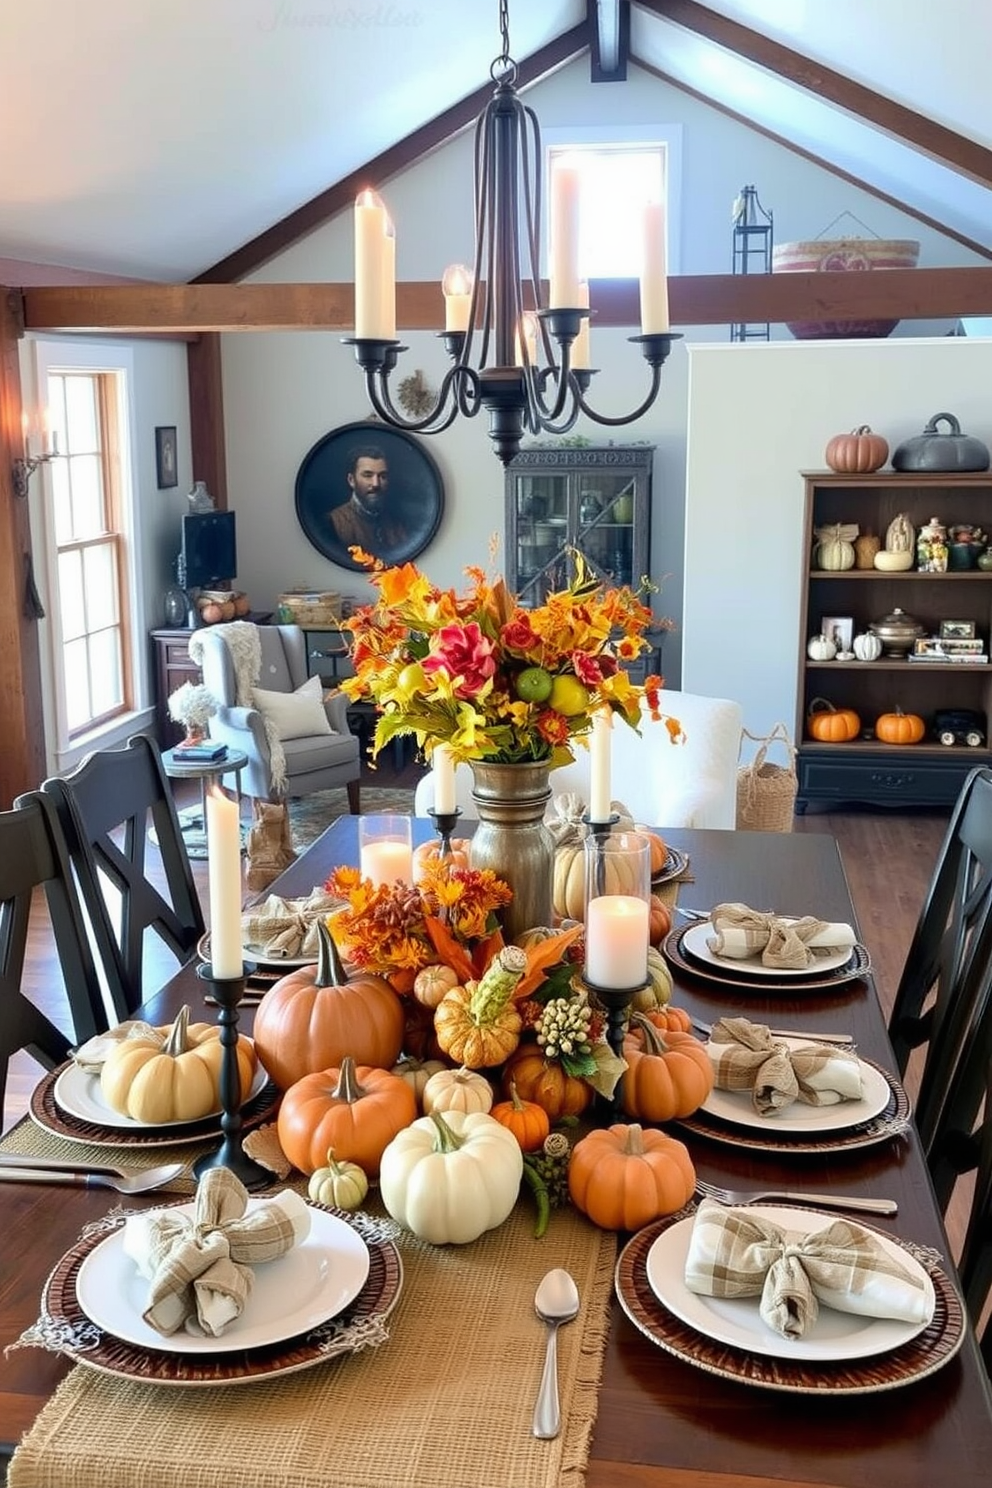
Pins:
x,y
78,1093
737,1108
304,1288
257,954
695,941
834,1335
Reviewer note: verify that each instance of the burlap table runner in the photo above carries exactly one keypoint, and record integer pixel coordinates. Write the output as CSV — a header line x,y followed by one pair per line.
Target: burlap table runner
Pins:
x,y
446,1402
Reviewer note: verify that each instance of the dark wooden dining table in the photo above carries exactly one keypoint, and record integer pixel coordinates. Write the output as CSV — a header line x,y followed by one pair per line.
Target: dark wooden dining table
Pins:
x,y
660,1421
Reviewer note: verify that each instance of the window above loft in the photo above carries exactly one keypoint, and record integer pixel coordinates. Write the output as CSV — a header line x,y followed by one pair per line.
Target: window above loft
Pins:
x,y
621,171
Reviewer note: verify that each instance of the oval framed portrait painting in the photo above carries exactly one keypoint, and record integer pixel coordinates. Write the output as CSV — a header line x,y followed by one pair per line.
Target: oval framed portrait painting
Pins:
x,y
366,485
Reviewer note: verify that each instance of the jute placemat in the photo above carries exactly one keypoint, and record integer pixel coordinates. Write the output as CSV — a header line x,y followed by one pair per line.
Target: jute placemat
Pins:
x,y
445,1403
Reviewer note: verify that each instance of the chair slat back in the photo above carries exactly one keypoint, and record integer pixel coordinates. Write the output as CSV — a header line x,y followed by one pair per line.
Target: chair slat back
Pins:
x,y
106,807
33,855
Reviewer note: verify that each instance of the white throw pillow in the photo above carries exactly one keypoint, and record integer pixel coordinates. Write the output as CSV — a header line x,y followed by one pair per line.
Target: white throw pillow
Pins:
x,y
295,715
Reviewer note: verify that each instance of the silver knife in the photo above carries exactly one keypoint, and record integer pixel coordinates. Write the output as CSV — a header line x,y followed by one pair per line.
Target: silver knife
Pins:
x,y
844,1039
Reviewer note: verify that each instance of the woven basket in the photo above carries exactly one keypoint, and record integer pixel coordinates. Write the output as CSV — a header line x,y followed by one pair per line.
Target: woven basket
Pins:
x,y
313,608
766,794
837,255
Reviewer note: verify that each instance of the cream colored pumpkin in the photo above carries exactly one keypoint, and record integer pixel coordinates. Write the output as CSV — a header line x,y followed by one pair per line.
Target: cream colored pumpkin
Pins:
x,y
867,647
450,1178
658,992
341,1185
416,1073
569,891
173,1074
457,1090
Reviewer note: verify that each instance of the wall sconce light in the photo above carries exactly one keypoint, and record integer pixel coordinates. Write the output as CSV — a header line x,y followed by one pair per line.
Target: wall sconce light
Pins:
x,y
25,465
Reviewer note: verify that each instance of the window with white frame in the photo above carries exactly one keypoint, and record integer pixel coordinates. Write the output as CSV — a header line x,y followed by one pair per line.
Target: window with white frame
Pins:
x,y
91,634
617,180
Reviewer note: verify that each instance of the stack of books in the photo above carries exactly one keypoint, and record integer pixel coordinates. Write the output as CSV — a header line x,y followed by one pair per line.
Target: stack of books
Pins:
x,y
966,652
205,753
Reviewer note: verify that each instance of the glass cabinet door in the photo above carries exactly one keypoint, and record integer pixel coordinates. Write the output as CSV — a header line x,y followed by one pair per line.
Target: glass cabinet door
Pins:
x,y
593,499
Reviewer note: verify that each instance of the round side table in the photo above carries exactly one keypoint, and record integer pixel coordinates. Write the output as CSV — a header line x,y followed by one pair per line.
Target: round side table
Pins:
x,y
232,763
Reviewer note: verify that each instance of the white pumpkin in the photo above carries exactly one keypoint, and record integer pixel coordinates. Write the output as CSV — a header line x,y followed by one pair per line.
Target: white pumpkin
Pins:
x,y
450,1178
867,647
820,648
457,1090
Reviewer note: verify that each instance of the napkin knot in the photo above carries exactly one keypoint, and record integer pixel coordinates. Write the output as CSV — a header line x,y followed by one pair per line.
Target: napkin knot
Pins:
x,y
784,944
745,1056
738,1253
286,929
199,1266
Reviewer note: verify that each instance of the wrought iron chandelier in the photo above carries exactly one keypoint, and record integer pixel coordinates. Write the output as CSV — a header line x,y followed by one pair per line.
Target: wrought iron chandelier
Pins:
x,y
485,308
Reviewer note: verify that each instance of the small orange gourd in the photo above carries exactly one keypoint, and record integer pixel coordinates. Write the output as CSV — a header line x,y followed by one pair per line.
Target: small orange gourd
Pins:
x,y
830,725
546,1083
528,1121
900,728
623,1177
669,1073
659,920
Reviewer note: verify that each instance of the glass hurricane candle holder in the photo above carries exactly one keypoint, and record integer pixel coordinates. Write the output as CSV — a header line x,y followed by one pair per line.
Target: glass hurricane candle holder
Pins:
x,y
385,849
617,903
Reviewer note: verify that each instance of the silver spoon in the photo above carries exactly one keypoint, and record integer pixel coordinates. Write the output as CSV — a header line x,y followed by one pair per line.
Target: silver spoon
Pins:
x,y
126,1183
557,1302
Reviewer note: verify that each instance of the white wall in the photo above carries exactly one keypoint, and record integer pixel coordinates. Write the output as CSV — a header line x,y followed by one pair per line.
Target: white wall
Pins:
x,y
758,417
284,392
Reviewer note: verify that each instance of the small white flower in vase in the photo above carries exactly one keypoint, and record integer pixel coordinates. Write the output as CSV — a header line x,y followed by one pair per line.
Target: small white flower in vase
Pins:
x,y
192,705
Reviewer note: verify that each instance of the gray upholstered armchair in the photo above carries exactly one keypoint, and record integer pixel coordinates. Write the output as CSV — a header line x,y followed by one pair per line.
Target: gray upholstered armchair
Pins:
x,y
313,760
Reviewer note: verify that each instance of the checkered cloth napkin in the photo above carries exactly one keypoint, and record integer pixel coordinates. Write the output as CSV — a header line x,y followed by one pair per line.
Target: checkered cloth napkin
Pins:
x,y
784,945
737,1253
200,1267
287,928
746,1057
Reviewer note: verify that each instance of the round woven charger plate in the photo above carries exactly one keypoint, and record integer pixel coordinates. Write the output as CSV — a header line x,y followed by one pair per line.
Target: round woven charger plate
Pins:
x,y
45,1111
858,966
889,1123
83,1341
929,1351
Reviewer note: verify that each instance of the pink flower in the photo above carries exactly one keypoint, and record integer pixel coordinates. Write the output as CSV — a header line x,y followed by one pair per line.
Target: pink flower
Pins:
x,y
462,651
587,668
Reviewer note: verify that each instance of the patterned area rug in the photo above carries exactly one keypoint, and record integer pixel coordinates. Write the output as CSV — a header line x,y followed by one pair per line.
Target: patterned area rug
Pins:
x,y
308,816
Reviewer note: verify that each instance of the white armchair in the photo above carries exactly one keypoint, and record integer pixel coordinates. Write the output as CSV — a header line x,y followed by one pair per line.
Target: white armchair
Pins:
x,y
319,761
662,784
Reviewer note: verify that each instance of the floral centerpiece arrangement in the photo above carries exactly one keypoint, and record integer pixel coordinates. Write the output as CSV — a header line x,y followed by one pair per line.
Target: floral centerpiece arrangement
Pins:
x,y
192,705
492,679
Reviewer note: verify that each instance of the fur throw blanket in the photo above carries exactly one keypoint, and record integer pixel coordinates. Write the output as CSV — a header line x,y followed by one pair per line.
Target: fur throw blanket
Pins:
x,y
241,639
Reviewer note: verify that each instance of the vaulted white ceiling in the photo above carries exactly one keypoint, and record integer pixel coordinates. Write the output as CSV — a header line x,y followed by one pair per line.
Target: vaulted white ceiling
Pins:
x,y
155,137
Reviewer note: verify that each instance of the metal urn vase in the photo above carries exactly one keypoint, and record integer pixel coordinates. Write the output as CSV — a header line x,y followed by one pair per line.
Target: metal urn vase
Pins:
x,y
512,840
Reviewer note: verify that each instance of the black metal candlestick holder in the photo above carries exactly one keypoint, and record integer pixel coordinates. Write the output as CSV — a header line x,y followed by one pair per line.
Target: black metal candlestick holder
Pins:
x,y
227,993
444,824
616,1001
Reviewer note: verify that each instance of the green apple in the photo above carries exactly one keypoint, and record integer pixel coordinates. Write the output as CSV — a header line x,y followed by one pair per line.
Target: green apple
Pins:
x,y
533,685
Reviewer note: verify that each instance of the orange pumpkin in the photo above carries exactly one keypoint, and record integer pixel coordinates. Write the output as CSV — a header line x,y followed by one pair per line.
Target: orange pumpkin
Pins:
x,y
832,725
312,1017
669,1019
355,1111
546,1083
659,920
430,851
623,1177
669,1074
900,728
857,453
528,1121
659,848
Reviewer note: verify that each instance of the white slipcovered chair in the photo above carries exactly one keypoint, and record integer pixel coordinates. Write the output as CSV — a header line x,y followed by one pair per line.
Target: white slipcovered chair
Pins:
x,y
313,761
662,784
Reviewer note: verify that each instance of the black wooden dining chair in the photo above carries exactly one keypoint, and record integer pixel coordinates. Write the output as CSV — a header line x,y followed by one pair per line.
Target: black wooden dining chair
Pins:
x,y
943,969
965,1145
33,855
106,807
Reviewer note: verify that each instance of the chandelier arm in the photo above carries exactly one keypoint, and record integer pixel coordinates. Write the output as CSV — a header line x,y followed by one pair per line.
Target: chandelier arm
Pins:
x,y
627,418
561,426
532,201
439,418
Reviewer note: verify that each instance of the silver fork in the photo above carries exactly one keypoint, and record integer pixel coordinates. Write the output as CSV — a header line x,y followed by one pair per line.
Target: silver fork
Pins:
x,y
830,1201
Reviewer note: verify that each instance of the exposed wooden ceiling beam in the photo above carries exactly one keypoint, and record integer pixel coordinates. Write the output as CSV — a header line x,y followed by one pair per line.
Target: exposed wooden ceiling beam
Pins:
x,y
609,39
399,157
891,294
937,226
933,139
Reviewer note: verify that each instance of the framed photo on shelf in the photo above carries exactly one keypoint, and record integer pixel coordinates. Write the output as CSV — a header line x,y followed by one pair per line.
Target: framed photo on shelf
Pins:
x,y
166,456
957,630
839,629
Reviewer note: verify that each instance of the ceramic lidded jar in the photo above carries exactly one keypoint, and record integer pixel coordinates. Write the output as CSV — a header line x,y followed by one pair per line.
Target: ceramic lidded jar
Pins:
x,y
931,547
897,632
